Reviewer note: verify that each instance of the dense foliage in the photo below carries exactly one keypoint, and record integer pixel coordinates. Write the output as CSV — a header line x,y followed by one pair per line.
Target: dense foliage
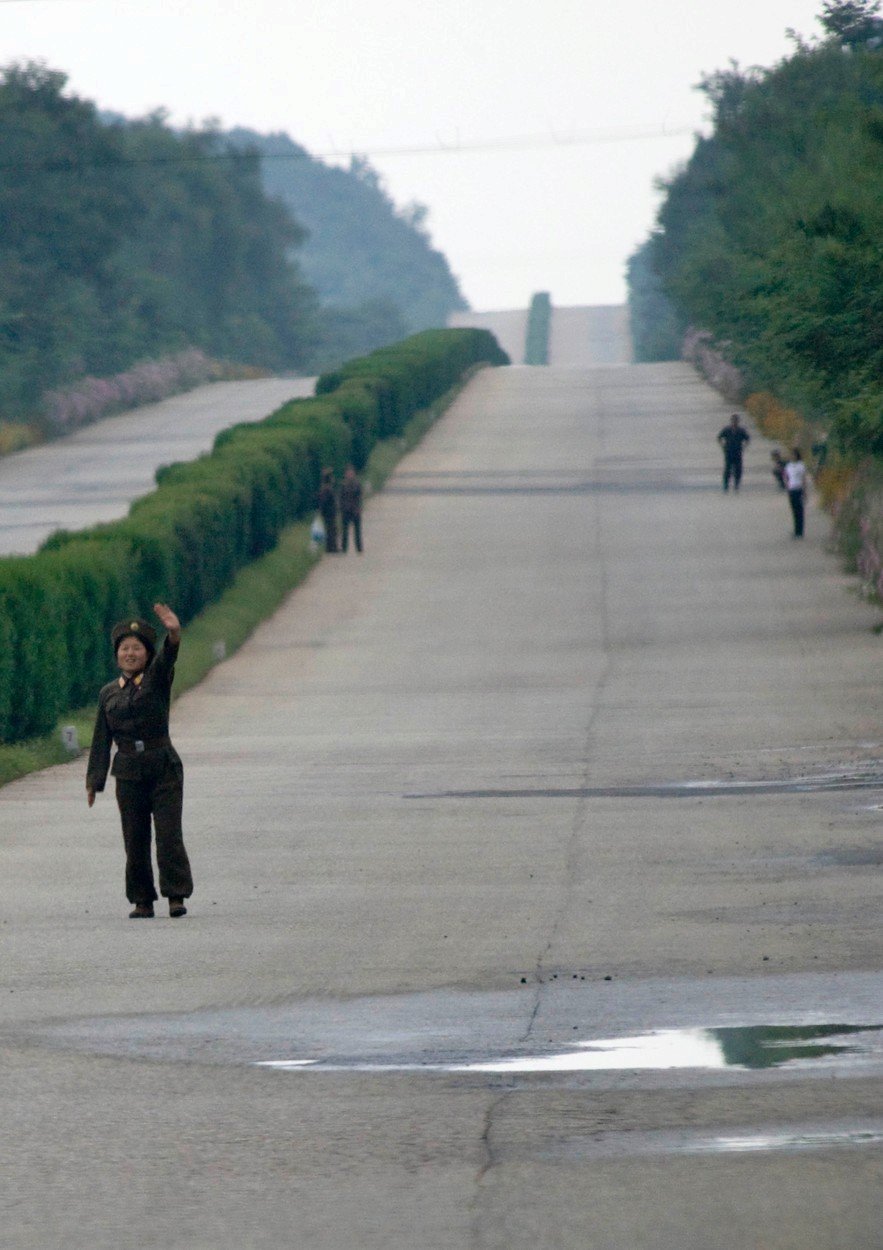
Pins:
x,y
657,330
771,237
184,542
373,265
127,241
122,243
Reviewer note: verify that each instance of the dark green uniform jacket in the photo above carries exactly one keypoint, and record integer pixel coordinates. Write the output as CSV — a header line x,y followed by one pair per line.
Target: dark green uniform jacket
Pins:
x,y
351,497
132,711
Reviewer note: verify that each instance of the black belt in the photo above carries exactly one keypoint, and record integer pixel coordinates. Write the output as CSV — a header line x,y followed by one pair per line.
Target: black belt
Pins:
x,y
137,746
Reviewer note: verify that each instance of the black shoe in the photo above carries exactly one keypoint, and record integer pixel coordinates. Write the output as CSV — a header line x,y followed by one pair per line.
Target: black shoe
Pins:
x,y
141,911
177,908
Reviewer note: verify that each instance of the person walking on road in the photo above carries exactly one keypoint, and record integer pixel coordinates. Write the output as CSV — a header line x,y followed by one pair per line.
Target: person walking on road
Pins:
x,y
133,712
794,474
733,438
327,501
351,508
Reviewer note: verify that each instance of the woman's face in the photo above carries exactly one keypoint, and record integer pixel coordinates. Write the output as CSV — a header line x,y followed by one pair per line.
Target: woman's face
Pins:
x,y
132,656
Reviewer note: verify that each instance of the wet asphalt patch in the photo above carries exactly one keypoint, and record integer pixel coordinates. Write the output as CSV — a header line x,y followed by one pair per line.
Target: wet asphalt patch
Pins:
x,y
750,1047
566,1024
651,486
850,857
612,479
561,1036
826,783
607,1144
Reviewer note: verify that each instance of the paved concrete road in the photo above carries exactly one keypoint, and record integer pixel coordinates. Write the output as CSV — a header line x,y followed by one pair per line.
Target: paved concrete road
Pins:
x,y
94,474
580,749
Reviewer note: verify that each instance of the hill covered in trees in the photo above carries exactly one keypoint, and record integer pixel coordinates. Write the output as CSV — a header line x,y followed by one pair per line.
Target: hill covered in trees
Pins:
x,y
771,237
769,246
127,241
373,265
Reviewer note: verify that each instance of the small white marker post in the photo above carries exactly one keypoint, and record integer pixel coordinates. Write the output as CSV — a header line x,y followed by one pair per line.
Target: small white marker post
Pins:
x,y
69,739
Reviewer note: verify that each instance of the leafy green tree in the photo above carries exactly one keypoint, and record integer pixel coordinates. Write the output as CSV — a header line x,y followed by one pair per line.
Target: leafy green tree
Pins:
x,y
65,207
125,241
212,262
656,329
852,21
770,236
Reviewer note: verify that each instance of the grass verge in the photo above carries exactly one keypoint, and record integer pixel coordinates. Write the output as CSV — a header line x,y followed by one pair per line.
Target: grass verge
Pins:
x,y
224,626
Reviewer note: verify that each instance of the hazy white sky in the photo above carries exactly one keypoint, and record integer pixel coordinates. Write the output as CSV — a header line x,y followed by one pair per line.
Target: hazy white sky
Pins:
x,y
369,75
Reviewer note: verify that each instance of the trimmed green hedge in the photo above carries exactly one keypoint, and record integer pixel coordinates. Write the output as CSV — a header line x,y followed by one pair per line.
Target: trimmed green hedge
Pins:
x,y
539,320
378,394
208,518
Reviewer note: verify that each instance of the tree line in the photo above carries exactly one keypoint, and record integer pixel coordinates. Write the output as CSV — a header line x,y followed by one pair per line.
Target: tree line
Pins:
x,y
770,237
125,241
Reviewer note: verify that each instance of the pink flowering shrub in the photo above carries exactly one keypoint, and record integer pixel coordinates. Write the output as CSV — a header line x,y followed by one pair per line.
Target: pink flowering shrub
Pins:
x,y
92,398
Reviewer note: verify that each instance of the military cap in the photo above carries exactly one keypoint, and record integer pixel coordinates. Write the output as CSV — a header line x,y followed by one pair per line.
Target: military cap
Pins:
x,y
133,627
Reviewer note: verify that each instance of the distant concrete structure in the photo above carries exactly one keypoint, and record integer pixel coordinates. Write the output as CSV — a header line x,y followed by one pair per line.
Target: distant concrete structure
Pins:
x,y
579,337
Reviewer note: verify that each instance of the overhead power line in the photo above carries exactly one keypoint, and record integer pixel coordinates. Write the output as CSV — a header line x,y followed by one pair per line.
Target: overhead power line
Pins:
x,y
524,143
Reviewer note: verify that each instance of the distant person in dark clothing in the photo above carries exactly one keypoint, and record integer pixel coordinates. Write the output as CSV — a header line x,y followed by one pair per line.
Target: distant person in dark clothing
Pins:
x,y
795,484
733,438
327,501
351,507
778,468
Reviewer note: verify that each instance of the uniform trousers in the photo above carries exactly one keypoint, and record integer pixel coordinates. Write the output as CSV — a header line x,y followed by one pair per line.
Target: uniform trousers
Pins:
x,y
732,469
159,795
795,498
330,523
355,520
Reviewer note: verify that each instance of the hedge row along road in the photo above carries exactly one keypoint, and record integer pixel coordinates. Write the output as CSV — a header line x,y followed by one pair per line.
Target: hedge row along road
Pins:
x,y
207,519
437,815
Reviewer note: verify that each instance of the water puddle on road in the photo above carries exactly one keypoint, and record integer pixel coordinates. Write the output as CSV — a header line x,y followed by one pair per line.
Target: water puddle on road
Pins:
x,y
748,1143
748,1048
793,1139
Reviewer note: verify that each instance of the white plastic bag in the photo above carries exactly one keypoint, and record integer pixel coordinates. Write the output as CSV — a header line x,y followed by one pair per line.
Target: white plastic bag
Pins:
x,y
317,533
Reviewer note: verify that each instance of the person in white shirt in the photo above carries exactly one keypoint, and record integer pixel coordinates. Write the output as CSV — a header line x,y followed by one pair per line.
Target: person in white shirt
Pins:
x,y
794,474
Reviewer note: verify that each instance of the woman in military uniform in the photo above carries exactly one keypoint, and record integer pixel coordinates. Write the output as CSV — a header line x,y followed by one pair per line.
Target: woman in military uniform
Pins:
x,y
133,712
